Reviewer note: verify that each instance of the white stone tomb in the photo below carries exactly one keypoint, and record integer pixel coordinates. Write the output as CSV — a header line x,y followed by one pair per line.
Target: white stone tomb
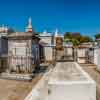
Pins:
x,y
67,81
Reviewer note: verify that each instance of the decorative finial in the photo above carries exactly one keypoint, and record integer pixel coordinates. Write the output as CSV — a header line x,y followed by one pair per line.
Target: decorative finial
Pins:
x,y
6,29
30,22
56,33
29,27
45,32
3,27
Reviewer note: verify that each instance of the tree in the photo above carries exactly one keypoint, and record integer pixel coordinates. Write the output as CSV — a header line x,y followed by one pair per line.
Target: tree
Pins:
x,y
85,39
72,37
76,38
97,36
68,35
10,30
75,42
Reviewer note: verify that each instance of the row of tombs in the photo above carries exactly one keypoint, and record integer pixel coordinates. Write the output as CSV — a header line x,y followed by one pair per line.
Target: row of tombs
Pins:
x,y
22,52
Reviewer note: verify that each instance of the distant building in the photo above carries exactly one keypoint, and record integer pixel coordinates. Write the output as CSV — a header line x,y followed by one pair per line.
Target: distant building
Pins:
x,y
49,42
87,44
46,38
4,31
49,38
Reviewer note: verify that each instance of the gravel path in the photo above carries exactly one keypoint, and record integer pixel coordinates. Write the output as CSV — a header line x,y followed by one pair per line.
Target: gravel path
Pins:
x,y
91,69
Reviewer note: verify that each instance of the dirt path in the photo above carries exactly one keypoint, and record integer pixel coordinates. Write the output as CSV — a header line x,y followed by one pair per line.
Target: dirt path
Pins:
x,y
16,90
91,69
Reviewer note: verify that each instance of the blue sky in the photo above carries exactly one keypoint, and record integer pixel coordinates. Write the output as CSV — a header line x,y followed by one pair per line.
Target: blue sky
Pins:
x,y
67,15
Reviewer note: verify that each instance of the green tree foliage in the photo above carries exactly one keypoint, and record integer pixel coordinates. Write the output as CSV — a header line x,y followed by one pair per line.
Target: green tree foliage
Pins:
x,y
85,39
97,36
75,42
68,35
76,38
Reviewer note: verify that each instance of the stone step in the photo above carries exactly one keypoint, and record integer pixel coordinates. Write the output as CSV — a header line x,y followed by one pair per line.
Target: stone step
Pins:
x,y
21,77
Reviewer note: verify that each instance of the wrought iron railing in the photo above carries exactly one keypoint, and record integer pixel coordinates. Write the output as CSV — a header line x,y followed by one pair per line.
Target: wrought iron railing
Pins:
x,y
21,63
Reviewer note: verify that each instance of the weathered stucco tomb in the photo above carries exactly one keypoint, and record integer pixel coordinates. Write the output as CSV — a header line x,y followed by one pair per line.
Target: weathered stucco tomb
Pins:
x,y
67,81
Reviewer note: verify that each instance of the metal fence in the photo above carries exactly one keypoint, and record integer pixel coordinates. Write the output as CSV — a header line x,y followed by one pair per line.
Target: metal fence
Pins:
x,y
21,63
91,55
